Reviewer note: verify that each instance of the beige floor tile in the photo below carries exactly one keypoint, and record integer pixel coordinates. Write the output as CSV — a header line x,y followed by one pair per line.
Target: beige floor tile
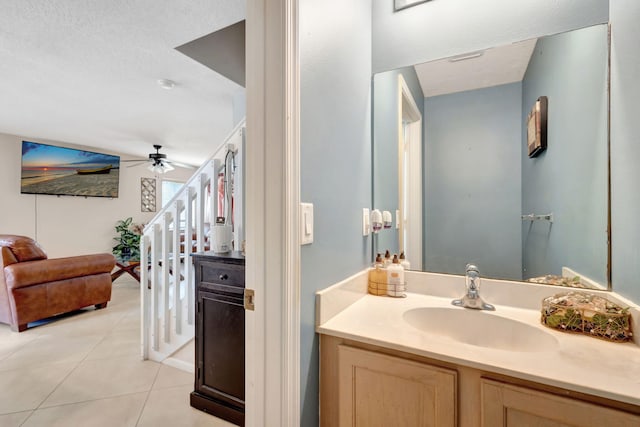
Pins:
x,y
171,377
124,291
117,344
170,407
85,322
97,379
103,382
13,341
122,411
14,420
51,349
125,297
186,353
131,321
24,389
5,331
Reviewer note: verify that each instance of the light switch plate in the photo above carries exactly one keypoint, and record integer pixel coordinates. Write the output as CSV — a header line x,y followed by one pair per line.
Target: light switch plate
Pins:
x,y
366,222
397,219
306,223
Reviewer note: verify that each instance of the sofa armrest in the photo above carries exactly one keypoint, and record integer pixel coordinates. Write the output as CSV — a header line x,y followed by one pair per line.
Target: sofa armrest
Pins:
x,y
30,273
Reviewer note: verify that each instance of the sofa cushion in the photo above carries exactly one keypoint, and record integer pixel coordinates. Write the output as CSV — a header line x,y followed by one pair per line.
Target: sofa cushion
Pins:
x,y
23,248
35,272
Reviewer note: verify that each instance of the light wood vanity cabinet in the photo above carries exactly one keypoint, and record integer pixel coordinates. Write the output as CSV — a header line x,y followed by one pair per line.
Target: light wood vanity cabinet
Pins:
x,y
513,406
380,390
366,385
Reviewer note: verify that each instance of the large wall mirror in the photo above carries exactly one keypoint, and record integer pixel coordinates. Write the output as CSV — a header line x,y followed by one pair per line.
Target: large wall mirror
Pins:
x,y
450,156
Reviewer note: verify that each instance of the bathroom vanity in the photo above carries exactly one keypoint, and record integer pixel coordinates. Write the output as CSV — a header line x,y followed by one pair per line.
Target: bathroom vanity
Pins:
x,y
421,361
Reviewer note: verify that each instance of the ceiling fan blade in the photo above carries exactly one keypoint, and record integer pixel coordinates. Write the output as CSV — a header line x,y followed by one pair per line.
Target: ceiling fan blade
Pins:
x,y
180,165
137,162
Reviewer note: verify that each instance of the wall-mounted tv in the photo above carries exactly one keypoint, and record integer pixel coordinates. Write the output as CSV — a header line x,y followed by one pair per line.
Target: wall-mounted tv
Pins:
x,y
47,169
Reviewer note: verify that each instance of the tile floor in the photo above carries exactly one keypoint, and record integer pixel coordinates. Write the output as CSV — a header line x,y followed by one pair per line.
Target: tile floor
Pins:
x,y
85,370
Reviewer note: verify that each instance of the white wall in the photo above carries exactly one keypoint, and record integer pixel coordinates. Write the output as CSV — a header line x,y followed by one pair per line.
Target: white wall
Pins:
x,y
66,225
442,28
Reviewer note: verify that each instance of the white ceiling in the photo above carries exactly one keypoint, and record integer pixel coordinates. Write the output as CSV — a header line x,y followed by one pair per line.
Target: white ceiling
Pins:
x,y
496,66
85,72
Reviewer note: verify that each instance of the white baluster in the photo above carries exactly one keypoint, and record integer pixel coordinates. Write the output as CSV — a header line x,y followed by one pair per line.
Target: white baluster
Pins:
x,y
145,294
155,291
191,208
166,285
177,233
188,266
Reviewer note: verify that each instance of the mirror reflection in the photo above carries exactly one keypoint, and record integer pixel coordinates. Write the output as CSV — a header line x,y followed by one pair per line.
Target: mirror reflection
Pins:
x,y
451,158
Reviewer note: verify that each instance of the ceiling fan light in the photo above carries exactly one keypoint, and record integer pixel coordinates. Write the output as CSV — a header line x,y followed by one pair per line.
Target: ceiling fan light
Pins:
x,y
160,167
153,168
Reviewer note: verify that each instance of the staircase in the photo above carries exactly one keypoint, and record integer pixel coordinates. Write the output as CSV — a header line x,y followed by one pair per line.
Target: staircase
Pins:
x,y
181,227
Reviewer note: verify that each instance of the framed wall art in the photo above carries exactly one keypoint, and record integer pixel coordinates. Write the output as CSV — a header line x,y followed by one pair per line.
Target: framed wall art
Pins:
x,y
537,127
148,194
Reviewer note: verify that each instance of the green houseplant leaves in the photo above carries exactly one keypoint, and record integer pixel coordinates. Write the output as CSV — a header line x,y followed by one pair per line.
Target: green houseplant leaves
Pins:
x,y
128,241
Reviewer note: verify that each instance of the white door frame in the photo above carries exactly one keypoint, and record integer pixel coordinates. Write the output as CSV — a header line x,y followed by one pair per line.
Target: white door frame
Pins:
x,y
272,214
411,219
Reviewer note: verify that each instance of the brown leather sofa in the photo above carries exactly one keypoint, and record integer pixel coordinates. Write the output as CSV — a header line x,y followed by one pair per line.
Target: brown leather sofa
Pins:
x,y
33,287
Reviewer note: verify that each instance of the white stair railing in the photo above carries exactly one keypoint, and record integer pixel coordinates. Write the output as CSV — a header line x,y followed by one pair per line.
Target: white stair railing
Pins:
x,y
181,227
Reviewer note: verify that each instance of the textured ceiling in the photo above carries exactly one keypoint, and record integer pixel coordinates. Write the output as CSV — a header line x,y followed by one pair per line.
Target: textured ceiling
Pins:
x,y
85,72
496,66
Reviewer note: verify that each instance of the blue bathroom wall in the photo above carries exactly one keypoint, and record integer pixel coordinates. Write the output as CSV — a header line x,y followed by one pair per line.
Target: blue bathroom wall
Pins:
x,y
385,147
472,181
335,160
569,179
438,29
625,147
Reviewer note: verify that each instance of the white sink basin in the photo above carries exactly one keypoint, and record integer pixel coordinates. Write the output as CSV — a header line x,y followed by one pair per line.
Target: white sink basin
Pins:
x,y
480,328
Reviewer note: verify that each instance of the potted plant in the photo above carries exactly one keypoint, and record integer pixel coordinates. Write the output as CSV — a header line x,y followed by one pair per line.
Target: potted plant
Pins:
x,y
128,246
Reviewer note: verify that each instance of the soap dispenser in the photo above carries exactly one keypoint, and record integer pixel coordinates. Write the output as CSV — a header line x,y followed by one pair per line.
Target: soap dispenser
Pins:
x,y
395,279
404,263
378,278
387,258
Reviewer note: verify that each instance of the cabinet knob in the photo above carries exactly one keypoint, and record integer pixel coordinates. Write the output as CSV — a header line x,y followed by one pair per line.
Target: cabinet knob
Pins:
x,y
223,277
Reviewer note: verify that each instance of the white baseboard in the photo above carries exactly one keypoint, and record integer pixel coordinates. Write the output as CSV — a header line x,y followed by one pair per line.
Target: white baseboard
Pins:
x,y
180,364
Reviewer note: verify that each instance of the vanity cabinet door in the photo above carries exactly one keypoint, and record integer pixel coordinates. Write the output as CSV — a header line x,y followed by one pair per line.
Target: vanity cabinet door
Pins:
x,y
380,390
513,406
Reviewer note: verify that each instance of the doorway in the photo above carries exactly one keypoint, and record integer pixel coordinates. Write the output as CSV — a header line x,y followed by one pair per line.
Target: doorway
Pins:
x,y
409,175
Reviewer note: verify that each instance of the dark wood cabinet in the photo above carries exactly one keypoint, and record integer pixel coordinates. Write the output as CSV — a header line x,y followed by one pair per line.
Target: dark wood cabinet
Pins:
x,y
219,336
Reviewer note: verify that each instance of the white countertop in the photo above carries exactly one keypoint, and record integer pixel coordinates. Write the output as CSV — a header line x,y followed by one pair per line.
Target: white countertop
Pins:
x,y
577,362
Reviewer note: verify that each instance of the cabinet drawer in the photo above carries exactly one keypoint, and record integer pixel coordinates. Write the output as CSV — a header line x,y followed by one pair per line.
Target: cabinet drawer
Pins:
x,y
228,294
223,274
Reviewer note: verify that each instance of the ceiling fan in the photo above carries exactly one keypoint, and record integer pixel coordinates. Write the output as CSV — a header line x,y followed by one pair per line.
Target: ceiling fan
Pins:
x,y
158,162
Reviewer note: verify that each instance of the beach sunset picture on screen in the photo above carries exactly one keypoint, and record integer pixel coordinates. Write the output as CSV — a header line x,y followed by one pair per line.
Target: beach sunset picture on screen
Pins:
x,y
48,169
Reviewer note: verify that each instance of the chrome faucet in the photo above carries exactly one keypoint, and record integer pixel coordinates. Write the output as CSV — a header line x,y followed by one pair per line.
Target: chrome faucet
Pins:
x,y
472,299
